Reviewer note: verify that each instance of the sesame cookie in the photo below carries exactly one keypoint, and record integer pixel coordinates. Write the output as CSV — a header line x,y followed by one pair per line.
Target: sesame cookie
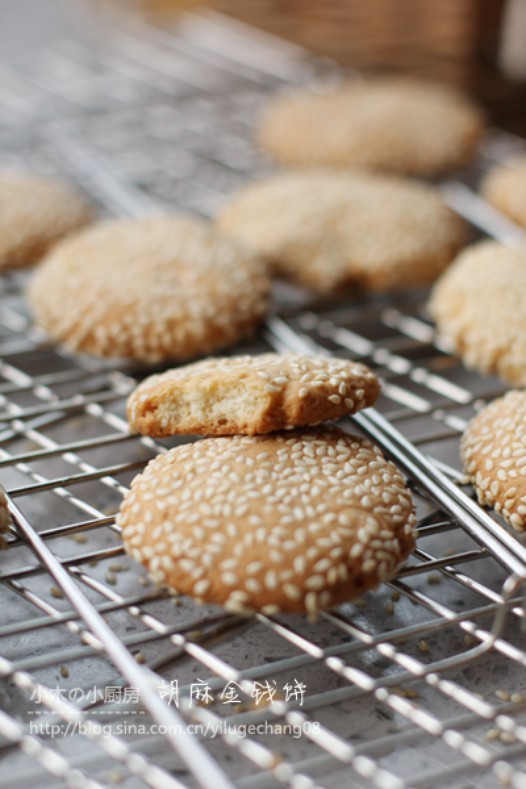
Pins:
x,y
250,395
149,289
322,229
293,522
493,449
480,309
35,212
394,124
505,188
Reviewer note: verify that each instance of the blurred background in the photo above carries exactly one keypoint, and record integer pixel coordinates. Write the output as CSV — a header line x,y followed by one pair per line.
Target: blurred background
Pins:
x,y
479,45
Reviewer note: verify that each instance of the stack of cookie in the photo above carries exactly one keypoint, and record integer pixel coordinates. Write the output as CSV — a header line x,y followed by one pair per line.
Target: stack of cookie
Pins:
x,y
273,512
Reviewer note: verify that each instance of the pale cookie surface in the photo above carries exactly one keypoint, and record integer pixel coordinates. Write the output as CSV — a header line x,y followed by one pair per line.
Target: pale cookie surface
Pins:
x,y
505,188
480,309
250,394
35,212
323,229
397,125
296,521
493,449
151,289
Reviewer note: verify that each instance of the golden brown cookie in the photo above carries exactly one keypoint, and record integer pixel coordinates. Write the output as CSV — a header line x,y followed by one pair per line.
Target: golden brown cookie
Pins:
x,y
493,449
35,212
295,521
250,395
321,229
150,289
505,188
392,124
480,309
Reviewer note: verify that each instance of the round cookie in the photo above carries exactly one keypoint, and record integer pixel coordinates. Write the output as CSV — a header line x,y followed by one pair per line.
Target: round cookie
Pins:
x,y
505,188
250,395
35,212
322,229
393,124
149,289
480,309
493,449
293,522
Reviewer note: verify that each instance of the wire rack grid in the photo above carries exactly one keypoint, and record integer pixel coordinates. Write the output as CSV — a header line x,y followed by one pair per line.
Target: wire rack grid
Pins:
x,y
421,681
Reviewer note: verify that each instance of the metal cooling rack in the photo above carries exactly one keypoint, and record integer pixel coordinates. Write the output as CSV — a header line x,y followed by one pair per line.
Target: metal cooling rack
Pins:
x,y
423,680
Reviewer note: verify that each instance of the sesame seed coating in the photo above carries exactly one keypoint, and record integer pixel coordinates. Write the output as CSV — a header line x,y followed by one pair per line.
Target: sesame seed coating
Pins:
x,y
505,188
323,229
493,449
479,307
250,394
150,289
35,212
294,522
396,124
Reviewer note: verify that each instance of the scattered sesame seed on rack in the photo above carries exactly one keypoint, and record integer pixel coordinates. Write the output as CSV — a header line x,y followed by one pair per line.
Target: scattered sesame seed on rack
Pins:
x,y
434,578
56,592
64,672
406,693
493,734
503,695
118,567
508,738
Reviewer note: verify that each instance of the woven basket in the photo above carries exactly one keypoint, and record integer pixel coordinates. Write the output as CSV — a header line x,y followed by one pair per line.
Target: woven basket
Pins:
x,y
438,38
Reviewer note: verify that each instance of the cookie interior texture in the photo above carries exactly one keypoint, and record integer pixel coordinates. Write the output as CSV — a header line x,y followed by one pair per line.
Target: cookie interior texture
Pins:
x,y
250,395
295,521
325,230
167,287
493,449
480,310
390,124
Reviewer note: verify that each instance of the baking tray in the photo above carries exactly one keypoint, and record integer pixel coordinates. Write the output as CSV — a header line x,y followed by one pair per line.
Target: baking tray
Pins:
x,y
108,680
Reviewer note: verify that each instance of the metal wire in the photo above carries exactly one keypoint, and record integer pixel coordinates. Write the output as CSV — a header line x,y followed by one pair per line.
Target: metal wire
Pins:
x,y
402,685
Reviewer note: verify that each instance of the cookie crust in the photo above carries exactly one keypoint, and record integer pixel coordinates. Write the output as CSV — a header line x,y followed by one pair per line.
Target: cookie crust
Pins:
x,y
493,449
393,125
150,289
250,395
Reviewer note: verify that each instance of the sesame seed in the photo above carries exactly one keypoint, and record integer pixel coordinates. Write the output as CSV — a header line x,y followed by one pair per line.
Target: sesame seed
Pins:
x,y
293,542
